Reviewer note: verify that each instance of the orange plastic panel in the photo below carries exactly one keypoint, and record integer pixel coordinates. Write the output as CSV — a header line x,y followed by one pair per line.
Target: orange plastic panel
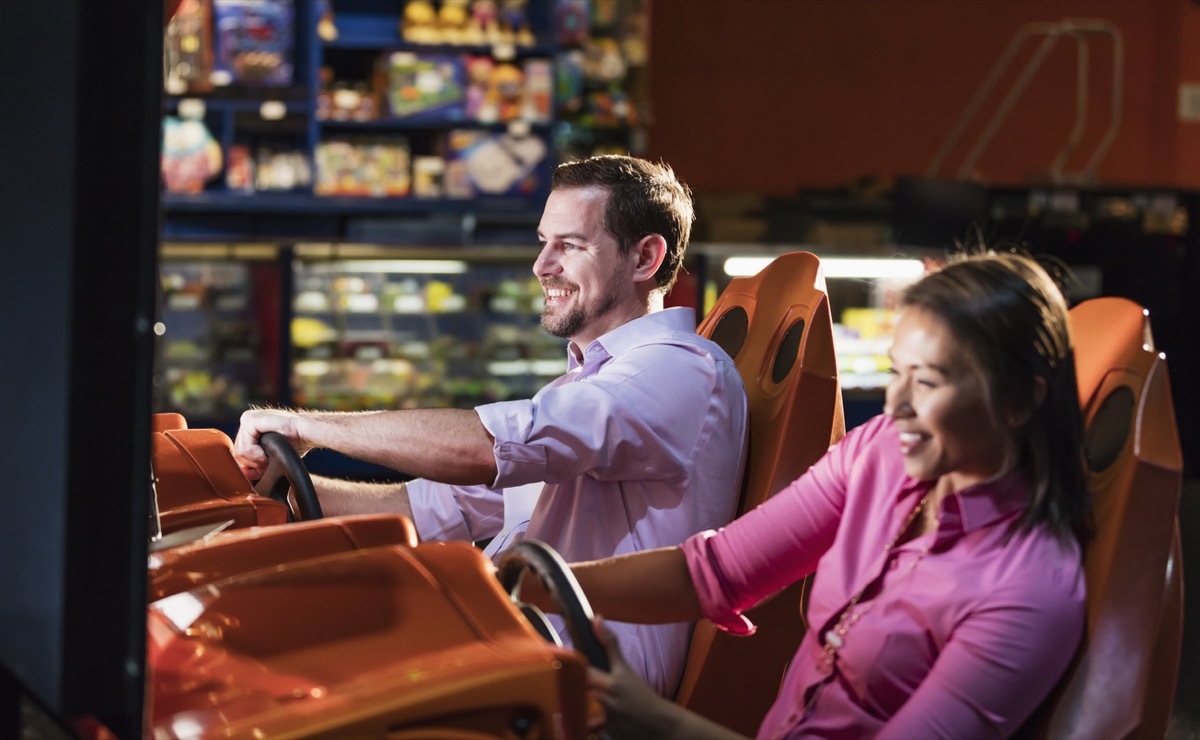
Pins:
x,y
1130,657
244,550
419,642
794,417
167,421
199,482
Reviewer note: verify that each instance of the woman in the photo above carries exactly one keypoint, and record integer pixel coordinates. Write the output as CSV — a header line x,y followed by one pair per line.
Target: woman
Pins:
x,y
945,536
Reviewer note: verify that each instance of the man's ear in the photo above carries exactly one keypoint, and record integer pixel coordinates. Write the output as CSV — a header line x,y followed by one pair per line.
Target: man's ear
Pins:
x,y
649,253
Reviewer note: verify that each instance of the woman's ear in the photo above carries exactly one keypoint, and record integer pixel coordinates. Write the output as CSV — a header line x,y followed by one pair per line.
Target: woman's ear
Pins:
x,y
1017,418
649,253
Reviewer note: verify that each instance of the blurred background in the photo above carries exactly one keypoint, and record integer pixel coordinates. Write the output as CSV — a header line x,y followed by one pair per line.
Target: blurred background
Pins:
x,y
332,204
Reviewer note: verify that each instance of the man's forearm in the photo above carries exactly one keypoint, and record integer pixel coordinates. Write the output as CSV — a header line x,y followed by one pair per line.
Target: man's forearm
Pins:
x,y
340,497
447,445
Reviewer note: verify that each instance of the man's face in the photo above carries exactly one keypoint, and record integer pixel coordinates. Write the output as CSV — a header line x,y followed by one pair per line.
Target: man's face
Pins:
x,y
587,282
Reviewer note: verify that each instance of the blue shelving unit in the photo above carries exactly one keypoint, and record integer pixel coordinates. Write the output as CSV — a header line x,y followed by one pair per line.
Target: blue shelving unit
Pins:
x,y
366,31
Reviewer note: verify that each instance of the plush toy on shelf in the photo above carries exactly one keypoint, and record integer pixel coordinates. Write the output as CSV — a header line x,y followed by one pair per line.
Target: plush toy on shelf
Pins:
x,y
452,22
602,61
484,25
506,84
571,22
190,157
326,26
514,23
419,25
479,72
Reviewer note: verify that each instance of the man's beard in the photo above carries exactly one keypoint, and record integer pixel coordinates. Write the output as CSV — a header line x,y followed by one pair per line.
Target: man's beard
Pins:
x,y
576,318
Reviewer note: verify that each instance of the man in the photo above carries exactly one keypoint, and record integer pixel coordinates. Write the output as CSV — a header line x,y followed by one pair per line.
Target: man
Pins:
x,y
639,445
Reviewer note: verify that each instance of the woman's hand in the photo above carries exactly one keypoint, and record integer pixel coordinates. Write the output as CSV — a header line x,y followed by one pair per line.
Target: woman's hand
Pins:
x,y
633,710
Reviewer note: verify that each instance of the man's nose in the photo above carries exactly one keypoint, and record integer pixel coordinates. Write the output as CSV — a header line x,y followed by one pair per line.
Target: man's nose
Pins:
x,y
544,264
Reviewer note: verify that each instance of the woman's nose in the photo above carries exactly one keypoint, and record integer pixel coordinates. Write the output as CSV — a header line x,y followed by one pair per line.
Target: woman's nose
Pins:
x,y
896,399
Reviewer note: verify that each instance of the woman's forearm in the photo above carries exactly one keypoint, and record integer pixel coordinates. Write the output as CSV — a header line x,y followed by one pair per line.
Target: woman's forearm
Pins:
x,y
649,587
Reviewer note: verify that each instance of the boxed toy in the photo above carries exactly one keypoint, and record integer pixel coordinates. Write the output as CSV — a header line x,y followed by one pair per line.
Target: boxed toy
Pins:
x,y
428,85
480,162
187,47
254,42
363,167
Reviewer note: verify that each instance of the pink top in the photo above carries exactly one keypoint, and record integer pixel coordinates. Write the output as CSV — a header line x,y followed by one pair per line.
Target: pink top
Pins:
x,y
964,644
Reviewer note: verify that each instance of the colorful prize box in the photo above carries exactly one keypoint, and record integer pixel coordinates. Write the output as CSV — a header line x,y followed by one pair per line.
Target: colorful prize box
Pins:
x,y
426,87
254,41
484,163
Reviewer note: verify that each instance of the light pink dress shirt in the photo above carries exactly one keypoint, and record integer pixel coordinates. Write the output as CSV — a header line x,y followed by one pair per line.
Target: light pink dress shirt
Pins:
x,y
965,644
640,445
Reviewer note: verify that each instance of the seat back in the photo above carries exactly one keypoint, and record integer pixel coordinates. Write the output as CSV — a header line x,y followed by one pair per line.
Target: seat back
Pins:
x,y
1122,681
777,327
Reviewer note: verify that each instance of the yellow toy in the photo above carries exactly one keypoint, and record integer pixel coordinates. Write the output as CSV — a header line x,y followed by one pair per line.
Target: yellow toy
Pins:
x,y
505,87
452,22
419,25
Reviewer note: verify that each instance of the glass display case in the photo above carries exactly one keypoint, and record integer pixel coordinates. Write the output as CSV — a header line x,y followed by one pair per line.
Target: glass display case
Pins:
x,y
394,328
219,330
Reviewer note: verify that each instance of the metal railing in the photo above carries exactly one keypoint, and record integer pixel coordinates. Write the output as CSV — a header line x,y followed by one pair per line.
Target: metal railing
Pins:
x,y
1077,29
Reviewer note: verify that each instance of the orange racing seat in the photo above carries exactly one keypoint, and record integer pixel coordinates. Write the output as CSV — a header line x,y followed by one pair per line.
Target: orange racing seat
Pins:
x,y
1122,682
777,327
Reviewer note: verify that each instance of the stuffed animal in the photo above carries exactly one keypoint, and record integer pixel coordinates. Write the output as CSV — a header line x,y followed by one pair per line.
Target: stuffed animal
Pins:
x,y
452,21
419,25
190,157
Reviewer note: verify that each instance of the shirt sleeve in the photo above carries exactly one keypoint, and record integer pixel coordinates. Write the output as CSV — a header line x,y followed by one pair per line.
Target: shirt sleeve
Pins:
x,y
775,544
999,663
445,512
638,417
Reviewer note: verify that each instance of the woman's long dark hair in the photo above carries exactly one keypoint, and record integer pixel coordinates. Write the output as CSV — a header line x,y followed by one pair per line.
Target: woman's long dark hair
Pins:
x,y
1012,318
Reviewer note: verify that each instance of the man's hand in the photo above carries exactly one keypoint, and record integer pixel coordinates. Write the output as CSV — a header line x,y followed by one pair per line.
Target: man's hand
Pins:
x,y
254,424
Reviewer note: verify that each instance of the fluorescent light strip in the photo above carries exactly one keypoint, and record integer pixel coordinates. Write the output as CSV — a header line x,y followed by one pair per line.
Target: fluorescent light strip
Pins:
x,y
401,266
838,267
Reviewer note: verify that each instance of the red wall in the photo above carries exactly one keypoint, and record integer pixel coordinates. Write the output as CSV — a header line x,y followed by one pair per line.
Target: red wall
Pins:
x,y
771,95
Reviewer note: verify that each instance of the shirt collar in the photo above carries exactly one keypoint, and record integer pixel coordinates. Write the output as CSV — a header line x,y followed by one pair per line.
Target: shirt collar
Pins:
x,y
632,333
984,504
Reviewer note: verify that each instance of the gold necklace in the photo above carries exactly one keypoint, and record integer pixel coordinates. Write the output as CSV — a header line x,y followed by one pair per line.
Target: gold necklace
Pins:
x,y
834,637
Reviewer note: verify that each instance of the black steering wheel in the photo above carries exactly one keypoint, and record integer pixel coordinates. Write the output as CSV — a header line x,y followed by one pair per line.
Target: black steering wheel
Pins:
x,y
285,470
560,584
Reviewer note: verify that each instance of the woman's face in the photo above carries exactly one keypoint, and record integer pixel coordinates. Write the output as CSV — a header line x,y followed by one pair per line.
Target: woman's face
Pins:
x,y
938,401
